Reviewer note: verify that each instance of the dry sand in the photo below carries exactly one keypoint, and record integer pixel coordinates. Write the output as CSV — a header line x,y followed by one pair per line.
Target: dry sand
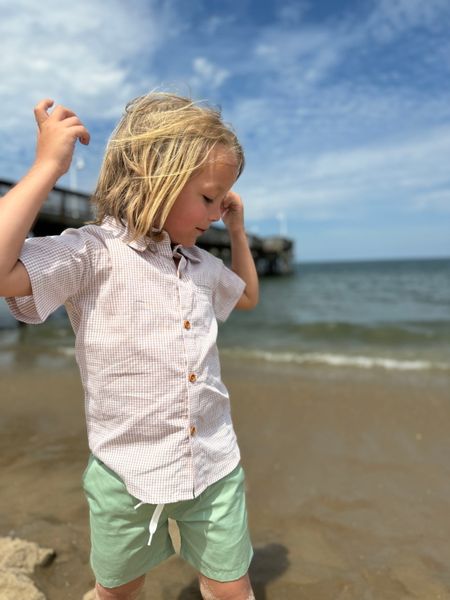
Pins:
x,y
347,476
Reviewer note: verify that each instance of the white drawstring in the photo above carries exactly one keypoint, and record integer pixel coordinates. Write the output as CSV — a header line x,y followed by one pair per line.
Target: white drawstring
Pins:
x,y
154,520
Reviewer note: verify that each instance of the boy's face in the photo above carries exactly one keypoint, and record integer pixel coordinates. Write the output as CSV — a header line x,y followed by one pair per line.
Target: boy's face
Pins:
x,y
199,203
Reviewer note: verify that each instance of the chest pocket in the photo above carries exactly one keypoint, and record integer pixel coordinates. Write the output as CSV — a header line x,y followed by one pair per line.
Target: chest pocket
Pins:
x,y
204,310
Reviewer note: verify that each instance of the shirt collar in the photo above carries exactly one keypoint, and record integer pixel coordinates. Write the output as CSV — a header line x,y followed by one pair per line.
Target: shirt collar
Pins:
x,y
142,243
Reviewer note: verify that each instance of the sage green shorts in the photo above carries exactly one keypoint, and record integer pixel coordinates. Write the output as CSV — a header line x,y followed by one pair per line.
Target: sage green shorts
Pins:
x,y
213,529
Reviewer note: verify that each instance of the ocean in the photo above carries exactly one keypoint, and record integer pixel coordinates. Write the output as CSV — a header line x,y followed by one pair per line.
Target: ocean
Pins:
x,y
390,314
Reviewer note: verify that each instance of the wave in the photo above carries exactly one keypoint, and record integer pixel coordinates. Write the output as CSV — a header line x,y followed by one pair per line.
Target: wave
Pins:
x,y
396,333
338,360
321,358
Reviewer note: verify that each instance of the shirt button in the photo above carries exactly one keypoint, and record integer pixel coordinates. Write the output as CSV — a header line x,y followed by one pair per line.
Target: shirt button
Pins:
x,y
193,430
187,324
192,377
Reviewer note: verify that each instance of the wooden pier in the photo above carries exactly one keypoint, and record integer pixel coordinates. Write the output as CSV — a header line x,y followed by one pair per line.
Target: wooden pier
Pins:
x,y
67,208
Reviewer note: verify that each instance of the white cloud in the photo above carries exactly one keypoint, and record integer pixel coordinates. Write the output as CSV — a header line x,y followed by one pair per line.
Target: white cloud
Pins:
x,y
390,19
326,147
215,24
360,181
292,13
82,53
415,155
207,75
298,58
85,55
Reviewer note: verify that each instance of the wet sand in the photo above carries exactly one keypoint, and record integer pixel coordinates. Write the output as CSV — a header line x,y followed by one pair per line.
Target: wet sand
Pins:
x,y
348,482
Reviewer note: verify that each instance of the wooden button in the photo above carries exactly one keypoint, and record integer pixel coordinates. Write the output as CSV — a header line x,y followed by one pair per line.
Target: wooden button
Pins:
x,y
187,324
192,377
193,430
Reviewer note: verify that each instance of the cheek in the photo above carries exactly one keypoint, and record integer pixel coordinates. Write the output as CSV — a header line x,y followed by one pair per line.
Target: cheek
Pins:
x,y
191,213
175,214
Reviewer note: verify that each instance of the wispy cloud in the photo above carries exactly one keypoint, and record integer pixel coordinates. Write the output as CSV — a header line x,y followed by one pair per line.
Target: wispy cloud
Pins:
x,y
367,182
207,75
390,19
82,55
79,53
345,146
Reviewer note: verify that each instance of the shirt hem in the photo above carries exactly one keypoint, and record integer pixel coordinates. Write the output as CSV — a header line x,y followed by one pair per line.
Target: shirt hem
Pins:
x,y
136,493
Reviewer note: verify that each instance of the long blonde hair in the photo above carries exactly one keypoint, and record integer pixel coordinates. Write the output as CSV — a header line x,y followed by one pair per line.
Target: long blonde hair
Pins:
x,y
160,142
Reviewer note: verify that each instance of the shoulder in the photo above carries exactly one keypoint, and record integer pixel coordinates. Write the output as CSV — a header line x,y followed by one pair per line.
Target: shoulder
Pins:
x,y
73,246
90,239
90,233
206,259
216,270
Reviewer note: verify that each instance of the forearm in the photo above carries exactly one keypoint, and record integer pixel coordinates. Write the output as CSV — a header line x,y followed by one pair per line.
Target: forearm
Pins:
x,y
18,210
57,136
242,264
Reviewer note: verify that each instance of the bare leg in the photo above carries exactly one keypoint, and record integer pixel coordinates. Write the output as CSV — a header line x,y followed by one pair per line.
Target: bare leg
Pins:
x,y
128,591
240,589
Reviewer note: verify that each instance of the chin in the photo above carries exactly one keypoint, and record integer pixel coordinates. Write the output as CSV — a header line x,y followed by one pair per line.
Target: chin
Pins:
x,y
187,242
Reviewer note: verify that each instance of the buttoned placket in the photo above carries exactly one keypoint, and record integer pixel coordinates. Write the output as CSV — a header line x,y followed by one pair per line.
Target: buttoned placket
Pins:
x,y
180,267
191,429
170,253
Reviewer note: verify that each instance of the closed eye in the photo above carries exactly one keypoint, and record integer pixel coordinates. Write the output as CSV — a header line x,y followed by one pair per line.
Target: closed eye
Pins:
x,y
208,200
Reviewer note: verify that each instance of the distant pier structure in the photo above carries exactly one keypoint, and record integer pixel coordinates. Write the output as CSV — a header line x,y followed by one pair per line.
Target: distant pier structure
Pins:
x,y
67,208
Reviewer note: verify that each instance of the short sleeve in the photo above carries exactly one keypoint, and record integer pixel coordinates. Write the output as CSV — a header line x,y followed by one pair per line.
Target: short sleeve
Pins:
x,y
58,266
227,292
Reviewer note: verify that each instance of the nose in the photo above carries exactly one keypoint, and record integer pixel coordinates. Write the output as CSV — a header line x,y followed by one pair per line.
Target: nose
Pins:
x,y
215,213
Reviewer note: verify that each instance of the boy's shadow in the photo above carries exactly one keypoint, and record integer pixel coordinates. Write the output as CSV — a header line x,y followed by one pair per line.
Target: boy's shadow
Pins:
x,y
268,563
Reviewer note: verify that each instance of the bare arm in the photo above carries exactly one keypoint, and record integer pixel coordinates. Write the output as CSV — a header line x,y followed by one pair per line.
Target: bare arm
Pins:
x,y
242,262
57,135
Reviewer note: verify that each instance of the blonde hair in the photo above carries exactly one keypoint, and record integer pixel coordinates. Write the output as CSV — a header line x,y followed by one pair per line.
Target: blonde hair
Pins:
x,y
160,142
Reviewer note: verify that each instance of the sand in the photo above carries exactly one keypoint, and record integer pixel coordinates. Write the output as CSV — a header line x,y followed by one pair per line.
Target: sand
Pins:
x,y
348,482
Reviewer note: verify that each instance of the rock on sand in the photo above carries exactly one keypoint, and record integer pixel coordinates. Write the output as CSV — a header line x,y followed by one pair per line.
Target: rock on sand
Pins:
x,y
18,558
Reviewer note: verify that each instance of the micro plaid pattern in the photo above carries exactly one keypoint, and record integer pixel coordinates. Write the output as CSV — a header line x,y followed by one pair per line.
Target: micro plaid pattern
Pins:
x,y
157,411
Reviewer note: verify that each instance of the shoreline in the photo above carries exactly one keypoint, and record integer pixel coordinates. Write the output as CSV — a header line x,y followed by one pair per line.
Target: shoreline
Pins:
x,y
347,481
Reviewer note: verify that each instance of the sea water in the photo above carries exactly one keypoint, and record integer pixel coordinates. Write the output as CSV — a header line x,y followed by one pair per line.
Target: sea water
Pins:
x,y
390,314
393,314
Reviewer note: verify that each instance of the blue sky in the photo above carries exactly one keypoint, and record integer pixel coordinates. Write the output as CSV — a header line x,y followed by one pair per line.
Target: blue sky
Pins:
x,y
343,107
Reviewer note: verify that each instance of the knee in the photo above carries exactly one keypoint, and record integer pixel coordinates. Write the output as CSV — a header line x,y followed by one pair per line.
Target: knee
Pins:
x,y
128,591
240,589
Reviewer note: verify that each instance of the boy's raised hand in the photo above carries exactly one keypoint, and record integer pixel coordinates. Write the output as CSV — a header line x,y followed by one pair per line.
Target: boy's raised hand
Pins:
x,y
232,210
58,133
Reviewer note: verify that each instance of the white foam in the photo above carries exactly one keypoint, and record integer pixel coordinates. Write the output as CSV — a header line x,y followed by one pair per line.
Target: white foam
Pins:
x,y
318,358
67,350
340,360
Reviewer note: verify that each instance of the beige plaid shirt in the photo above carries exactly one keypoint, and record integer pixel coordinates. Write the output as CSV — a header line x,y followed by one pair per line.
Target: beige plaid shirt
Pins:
x,y
157,411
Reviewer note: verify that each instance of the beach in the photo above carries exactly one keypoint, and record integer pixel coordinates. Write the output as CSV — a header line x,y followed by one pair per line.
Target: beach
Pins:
x,y
346,469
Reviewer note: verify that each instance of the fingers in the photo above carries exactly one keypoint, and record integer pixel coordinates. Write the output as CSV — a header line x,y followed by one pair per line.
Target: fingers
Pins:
x,y
40,111
231,199
82,134
59,112
62,114
79,129
231,208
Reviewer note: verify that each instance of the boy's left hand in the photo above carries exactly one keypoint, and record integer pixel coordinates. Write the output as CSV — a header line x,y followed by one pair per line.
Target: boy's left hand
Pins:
x,y
232,210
